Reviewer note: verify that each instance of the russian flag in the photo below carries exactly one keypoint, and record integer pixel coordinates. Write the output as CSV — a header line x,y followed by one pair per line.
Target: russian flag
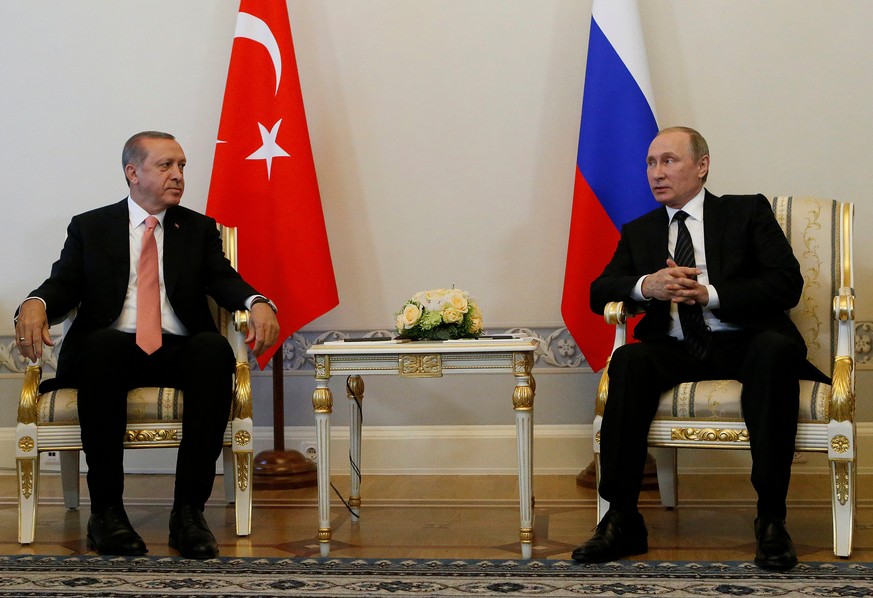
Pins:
x,y
611,188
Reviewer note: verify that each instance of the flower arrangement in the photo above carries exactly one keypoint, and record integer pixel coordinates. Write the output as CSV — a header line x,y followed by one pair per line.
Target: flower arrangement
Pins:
x,y
439,315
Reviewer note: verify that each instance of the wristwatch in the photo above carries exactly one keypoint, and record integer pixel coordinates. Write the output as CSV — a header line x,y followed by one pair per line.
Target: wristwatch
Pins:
x,y
264,300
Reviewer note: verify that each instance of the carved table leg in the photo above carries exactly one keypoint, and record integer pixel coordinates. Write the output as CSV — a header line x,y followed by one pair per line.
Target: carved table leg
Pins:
x,y
522,403
322,403
355,393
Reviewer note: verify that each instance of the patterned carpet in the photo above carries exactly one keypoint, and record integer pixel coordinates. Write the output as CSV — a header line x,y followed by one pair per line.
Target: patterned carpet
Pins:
x,y
23,576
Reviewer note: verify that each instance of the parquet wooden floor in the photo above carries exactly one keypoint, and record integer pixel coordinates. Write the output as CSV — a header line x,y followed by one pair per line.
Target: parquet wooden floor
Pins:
x,y
463,517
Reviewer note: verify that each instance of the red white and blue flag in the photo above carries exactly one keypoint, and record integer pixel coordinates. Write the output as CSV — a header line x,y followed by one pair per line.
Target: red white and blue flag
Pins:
x,y
611,188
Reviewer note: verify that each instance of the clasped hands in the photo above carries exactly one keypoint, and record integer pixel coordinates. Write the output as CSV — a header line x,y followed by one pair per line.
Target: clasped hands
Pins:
x,y
677,284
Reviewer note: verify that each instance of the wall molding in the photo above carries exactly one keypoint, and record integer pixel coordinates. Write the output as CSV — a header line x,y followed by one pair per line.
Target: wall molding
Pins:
x,y
557,350
468,450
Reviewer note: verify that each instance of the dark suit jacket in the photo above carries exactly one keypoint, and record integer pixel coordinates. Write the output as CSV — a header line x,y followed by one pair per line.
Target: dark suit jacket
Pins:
x,y
749,262
94,267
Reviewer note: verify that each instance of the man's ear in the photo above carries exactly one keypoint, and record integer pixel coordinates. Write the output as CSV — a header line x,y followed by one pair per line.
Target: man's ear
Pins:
x,y
130,173
703,167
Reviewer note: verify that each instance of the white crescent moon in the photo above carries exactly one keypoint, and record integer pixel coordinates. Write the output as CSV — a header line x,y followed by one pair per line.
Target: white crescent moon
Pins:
x,y
253,28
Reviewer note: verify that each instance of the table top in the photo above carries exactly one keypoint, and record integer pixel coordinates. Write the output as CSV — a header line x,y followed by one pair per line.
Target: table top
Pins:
x,y
393,347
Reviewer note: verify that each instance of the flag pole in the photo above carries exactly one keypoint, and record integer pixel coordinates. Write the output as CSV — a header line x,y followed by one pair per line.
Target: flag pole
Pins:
x,y
280,469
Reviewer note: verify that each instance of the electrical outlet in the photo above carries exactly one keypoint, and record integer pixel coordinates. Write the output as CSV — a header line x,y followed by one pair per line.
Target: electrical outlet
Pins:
x,y
51,458
309,451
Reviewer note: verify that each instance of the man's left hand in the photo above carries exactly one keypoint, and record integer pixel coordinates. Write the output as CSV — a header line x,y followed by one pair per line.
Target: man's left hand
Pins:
x,y
263,328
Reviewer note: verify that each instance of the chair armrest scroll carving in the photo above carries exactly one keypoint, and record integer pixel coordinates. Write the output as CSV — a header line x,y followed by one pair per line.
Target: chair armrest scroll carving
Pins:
x,y
241,321
615,314
844,305
842,407
27,403
242,391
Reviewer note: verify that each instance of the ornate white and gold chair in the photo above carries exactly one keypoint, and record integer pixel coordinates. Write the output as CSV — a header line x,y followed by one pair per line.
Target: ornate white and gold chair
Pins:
x,y
707,414
50,422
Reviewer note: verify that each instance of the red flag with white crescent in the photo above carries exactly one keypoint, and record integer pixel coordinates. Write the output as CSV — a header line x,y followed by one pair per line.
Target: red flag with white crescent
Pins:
x,y
263,178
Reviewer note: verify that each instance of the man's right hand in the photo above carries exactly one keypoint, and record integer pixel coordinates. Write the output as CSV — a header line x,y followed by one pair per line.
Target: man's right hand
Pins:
x,y
32,329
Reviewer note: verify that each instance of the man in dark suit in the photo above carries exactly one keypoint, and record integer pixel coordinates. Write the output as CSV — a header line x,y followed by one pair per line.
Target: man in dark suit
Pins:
x,y
107,351
714,276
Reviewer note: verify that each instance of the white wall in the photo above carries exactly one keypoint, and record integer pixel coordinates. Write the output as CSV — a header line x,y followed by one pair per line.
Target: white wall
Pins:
x,y
444,131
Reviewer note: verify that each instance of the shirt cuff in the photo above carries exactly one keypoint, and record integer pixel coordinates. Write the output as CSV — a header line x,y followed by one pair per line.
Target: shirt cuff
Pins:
x,y
637,292
714,303
250,302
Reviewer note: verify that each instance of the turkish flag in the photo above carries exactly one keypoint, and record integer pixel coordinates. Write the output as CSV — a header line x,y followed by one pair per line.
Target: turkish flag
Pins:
x,y
263,177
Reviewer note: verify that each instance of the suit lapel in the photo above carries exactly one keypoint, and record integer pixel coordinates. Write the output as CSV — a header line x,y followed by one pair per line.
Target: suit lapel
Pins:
x,y
173,249
657,237
118,239
713,234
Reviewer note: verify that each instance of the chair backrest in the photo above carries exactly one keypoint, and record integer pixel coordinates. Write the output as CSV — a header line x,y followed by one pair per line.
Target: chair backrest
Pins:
x,y
813,227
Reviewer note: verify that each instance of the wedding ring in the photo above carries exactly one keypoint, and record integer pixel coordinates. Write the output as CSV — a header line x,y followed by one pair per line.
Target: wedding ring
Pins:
x,y
21,339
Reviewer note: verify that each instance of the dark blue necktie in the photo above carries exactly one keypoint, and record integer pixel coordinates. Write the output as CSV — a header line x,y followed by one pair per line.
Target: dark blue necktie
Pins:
x,y
697,335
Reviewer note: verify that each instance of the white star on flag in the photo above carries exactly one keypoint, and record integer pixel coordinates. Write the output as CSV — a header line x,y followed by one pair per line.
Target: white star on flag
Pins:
x,y
270,148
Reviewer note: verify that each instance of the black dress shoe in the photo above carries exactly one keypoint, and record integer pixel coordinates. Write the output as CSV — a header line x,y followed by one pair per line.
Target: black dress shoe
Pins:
x,y
617,535
190,535
775,548
110,532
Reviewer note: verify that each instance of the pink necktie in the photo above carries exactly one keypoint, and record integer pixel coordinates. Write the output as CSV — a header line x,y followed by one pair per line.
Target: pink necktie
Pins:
x,y
148,292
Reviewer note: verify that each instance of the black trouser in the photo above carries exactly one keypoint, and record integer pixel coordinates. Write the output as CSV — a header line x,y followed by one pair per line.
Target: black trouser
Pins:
x,y
110,363
768,366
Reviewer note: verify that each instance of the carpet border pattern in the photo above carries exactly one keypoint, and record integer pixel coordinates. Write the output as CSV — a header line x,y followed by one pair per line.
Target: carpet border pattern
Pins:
x,y
40,576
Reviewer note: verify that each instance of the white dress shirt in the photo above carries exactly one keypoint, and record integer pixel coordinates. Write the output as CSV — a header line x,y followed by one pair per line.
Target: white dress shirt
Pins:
x,y
694,223
126,322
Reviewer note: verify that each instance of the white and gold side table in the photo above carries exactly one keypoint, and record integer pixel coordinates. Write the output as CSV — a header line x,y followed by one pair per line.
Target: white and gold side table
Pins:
x,y
420,359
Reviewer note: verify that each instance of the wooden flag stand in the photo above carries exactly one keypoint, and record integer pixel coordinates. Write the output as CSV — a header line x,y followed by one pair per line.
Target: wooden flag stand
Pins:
x,y
280,469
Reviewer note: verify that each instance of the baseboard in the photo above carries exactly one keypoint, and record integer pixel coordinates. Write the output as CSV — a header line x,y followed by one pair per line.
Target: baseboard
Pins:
x,y
464,450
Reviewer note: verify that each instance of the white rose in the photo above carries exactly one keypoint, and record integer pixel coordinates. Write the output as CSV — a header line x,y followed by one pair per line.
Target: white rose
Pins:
x,y
435,299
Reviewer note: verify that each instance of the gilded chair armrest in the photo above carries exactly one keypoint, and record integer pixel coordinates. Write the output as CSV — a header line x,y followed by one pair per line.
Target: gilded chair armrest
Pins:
x,y
241,321
242,391
27,402
602,391
842,403
844,305
615,313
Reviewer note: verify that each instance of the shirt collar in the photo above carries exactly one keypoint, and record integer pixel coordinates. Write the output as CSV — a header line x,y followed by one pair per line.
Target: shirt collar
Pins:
x,y
138,215
693,208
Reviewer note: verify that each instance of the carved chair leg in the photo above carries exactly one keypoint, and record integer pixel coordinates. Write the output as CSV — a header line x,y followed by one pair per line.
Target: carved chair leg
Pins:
x,y
241,473
843,499
28,482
